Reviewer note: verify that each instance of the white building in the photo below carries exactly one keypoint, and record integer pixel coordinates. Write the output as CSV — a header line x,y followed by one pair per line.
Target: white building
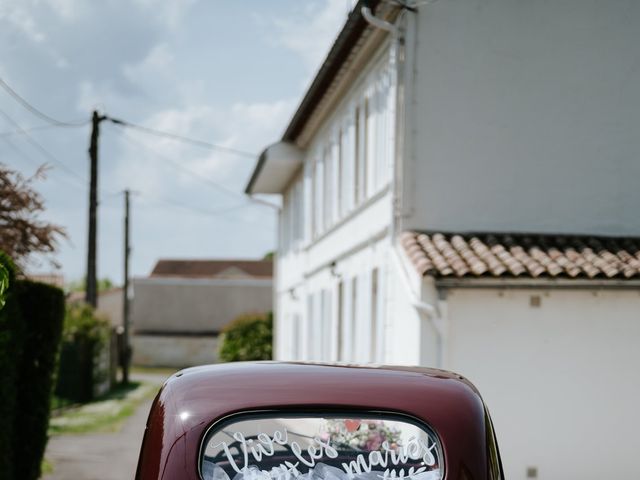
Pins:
x,y
431,144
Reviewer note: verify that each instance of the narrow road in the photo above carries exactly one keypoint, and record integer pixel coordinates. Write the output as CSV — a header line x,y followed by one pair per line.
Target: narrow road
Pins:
x,y
100,456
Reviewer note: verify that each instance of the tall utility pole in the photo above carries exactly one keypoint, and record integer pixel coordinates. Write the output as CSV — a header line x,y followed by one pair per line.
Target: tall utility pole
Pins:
x,y
91,288
126,350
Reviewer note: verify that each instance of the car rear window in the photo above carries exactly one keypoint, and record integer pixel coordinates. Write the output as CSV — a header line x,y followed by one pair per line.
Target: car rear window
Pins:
x,y
310,447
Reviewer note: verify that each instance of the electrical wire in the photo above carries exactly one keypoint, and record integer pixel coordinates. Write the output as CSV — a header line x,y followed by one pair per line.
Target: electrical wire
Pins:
x,y
181,138
69,181
15,132
19,152
43,151
204,211
38,113
177,165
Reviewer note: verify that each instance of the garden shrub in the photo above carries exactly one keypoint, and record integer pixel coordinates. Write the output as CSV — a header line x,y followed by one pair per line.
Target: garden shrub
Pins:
x,y
42,311
85,337
248,337
11,339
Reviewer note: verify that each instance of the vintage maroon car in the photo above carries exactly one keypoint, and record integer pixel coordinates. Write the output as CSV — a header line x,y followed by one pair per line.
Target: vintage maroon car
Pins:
x,y
290,421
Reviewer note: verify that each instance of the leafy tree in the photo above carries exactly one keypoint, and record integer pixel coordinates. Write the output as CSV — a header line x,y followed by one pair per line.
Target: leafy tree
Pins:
x,y
22,232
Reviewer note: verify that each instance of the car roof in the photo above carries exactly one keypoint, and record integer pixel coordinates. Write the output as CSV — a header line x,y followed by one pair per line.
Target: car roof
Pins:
x,y
194,399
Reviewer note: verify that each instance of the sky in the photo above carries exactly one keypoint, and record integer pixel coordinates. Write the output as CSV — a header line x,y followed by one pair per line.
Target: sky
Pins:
x,y
228,72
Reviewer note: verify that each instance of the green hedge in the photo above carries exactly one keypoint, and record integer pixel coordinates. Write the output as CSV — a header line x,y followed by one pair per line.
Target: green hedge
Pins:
x,y
85,337
42,310
248,337
30,330
11,339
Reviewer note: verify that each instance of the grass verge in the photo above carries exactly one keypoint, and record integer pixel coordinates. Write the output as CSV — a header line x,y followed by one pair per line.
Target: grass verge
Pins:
x,y
46,467
167,371
105,414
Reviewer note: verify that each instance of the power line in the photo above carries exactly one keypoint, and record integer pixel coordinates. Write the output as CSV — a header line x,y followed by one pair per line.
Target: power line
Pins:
x,y
181,138
11,133
203,211
205,180
43,151
19,151
38,113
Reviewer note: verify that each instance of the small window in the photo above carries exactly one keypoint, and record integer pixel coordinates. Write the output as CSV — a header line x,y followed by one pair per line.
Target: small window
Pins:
x,y
309,447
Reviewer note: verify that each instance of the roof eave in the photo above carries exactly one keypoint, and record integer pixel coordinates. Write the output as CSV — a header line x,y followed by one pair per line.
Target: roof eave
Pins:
x,y
277,164
351,31
535,283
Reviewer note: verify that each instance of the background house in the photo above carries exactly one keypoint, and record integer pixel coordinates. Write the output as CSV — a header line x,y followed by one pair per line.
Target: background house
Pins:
x,y
179,310
459,190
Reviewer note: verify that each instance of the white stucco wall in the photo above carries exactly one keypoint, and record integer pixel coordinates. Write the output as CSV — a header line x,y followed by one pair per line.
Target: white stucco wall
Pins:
x,y
560,380
524,116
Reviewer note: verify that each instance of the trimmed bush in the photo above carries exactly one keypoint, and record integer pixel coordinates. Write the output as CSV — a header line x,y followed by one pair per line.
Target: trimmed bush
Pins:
x,y
42,312
85,336
11,339
248,337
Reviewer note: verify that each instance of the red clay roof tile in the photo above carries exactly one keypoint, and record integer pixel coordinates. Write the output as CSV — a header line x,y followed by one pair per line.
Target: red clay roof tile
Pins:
x,y
522,255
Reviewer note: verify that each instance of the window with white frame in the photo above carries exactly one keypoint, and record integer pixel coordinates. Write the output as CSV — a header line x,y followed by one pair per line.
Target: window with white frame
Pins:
x,y
308,197
365,154
353,320
319,195
296,337
340,322
350,162
328,186
373,347
297,207
327,322
348,167
282,244
373,132
357,155
338,168
309,322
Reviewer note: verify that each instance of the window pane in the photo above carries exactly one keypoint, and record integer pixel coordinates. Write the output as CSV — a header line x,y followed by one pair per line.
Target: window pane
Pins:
x,y
339,169
374,316
376,447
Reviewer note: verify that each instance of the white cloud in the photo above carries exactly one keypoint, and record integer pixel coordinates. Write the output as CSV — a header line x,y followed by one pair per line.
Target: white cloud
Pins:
x,y
157,62
169,12
311,31
17,16
92,96
257,124
148,162
66,9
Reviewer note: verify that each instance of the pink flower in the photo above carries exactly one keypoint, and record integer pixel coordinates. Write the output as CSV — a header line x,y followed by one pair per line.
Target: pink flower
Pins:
x,y
374,442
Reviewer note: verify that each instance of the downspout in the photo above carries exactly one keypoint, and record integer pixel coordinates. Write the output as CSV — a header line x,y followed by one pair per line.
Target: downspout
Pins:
x,y
368,15
427,311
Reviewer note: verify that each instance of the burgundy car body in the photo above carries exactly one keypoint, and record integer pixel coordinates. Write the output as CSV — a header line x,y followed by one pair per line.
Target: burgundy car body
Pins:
x,y
193,400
